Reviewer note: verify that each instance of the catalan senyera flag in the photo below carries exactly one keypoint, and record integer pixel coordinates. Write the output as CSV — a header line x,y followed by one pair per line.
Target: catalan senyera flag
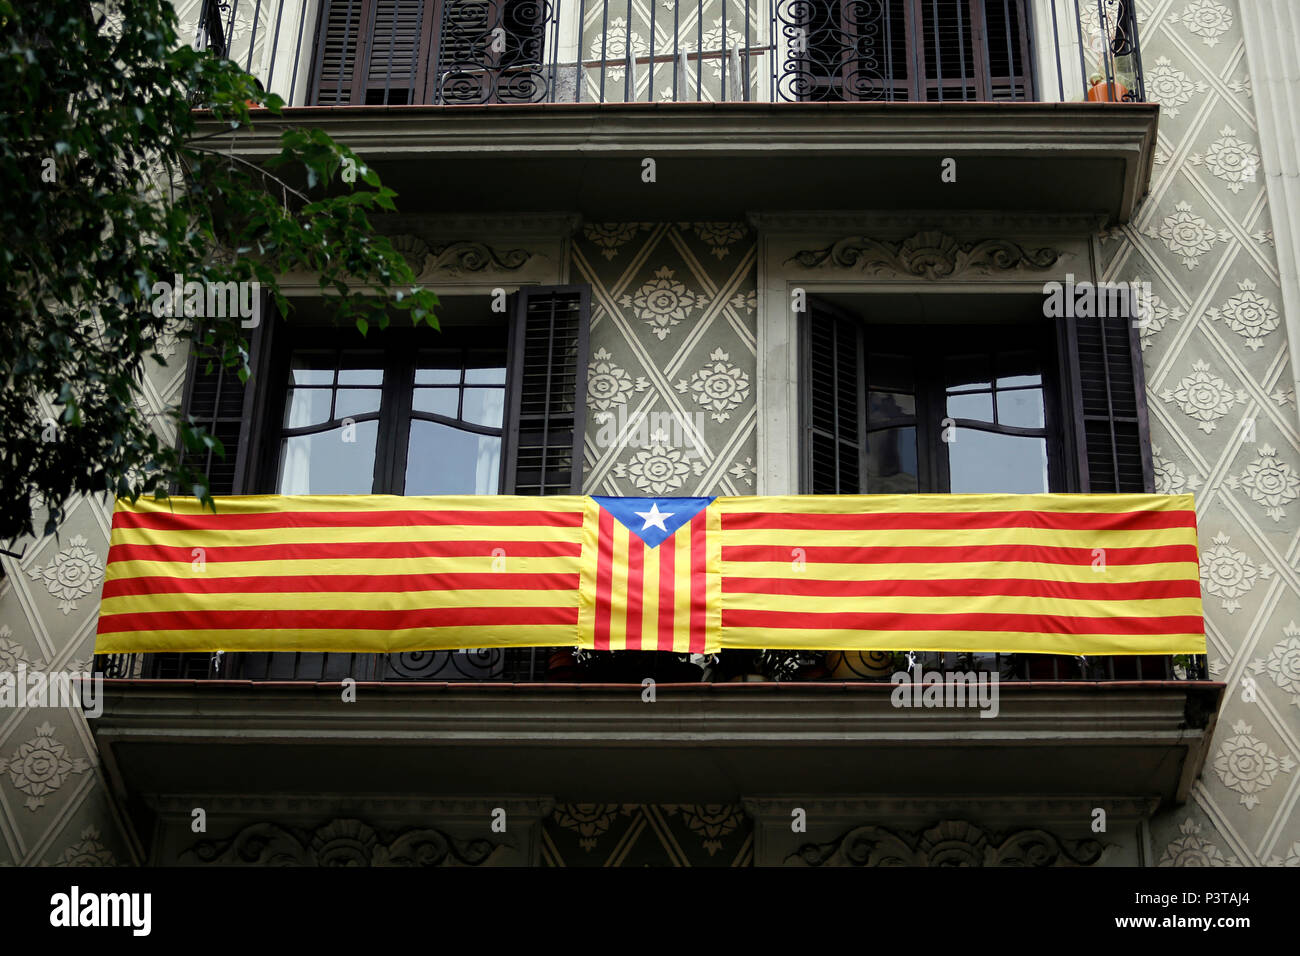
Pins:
x,y
1063,574
1050,573
342,573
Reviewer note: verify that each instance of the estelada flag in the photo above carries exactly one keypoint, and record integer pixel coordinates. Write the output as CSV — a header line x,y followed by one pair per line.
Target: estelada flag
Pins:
x,y
649,587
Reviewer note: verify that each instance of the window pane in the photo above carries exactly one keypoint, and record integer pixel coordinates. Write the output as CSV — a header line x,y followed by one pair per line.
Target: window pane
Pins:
x,y
885,407
1019,368
437,401
965,372
891,462
356,401
1023,408
441,460
307,406
484,406
988,462
312,368
438,368
977,405
890,372
361,376
326,463
486,368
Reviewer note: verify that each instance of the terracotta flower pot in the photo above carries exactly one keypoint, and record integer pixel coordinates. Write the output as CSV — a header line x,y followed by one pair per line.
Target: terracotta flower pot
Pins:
x,y
1099,92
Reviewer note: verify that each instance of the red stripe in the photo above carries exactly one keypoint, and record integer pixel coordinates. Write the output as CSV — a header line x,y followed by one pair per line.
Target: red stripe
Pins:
x,y
667,592
1032,623
305,551
635,590
339,619
944,554
926,520
604,579
697,584
244,521
326,583
967,587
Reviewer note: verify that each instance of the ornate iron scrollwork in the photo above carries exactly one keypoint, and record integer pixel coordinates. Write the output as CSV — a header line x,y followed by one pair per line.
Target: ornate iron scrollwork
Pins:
x,y
491,51
834,50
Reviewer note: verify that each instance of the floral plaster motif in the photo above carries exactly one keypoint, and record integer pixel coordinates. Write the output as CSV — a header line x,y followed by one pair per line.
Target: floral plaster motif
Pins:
x,y
1292,857
71,574
719,386
1248,765
1234,161
608,385
1283,663
1204,396
1269,481
1249,314
663,302
610,236
89,851
12,654
1228,573
1207,19
720,236
589,820
39,767
1191,850
744,471
1187,236
710,821
1160,316
611,47
1170,86
658,469
1170,479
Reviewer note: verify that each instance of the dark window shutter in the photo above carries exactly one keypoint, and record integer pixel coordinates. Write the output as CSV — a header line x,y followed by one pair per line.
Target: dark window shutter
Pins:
x,y
1111,411
546,390
216,399
832,409
341,45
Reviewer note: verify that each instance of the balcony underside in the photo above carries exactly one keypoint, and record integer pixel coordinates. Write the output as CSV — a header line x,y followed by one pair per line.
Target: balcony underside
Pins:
x,y
697,742
725,160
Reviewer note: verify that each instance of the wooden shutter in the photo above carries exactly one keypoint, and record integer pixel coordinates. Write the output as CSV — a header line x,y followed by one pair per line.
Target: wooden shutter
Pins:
x,y
1114,451
216,399
546,390
832,406
372,51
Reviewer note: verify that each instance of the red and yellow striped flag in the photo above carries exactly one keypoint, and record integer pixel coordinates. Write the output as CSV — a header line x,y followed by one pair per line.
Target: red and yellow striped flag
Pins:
x,y
646,582
342,573
1060,574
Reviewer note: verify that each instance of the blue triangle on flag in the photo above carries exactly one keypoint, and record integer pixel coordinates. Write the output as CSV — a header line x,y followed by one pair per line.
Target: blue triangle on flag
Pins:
x,y
653,520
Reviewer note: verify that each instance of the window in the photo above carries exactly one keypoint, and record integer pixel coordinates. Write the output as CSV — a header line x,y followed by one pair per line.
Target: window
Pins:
x,y
970,408
402,420
472,408
898,50
429,51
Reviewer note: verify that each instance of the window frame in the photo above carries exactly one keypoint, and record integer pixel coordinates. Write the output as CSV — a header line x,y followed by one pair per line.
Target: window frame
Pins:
x,y
933,468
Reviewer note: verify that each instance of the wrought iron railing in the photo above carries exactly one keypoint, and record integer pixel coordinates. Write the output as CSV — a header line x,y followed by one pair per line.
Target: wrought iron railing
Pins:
x,y
551,664
357,52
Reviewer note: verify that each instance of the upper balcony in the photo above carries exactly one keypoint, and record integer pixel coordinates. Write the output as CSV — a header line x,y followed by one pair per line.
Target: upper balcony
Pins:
x,y
1041,102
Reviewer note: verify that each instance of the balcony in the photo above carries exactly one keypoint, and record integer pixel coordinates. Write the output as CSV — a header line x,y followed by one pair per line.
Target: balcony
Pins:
x,y
728,98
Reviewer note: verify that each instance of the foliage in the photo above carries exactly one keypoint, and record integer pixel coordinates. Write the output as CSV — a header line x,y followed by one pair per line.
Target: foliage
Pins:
x,y
108,188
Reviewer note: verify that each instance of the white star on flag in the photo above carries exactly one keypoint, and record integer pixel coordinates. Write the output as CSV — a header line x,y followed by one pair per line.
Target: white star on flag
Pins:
x,y
654,518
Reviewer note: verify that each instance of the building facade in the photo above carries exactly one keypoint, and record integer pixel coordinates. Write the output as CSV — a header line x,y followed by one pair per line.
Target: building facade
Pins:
x,y
734,248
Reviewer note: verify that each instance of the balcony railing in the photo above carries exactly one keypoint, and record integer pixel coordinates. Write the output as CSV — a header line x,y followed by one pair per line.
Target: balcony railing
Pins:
x,y
461,52
552,665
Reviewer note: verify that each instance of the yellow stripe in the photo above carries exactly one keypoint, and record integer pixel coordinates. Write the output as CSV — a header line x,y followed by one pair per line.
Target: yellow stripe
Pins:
x,y
650,605
981,604
335,601
965,537
277,504
349,640
237,569
618,591
681,543
942,504
1113,574
980,642
494,537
